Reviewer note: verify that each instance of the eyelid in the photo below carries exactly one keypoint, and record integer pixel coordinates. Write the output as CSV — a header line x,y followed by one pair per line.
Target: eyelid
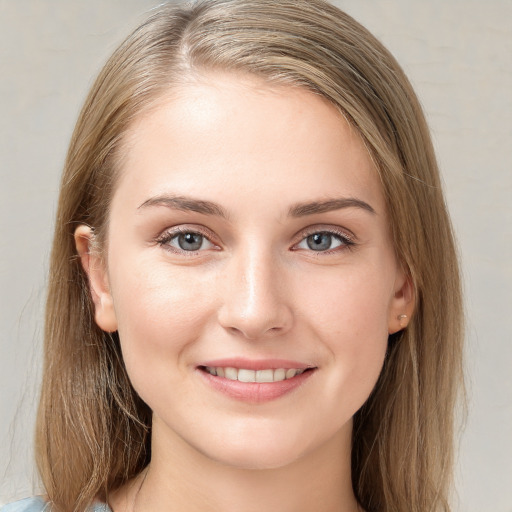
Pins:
x,y
323,228
347,236
169,233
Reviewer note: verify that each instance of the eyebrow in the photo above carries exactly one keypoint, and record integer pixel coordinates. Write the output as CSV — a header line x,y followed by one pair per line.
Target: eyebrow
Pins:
x,y
329,205
297,210
186,204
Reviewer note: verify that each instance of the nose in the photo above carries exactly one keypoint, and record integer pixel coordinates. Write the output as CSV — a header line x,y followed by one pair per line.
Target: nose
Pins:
x,y
255,303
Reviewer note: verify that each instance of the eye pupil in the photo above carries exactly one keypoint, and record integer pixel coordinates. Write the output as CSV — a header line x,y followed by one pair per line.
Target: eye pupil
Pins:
x,y
190,241
319,241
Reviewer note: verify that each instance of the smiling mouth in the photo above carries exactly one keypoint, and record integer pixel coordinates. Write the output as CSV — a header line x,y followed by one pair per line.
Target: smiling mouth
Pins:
x,y
257,376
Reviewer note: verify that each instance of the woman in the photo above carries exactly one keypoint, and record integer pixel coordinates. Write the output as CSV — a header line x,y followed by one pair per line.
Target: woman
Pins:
x,y
254,299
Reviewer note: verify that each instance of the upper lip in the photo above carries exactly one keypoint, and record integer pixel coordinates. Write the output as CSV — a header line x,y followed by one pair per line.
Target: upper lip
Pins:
x,y
255,364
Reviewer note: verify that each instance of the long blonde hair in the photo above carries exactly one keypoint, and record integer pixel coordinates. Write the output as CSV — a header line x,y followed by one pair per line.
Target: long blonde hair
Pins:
x,y
93,431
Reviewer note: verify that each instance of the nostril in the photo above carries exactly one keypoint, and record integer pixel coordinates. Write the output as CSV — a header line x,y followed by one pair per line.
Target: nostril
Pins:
x,y
252,322
254,333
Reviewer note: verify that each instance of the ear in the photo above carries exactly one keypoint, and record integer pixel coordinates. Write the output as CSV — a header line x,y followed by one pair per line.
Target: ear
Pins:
x,y
95,269
402,303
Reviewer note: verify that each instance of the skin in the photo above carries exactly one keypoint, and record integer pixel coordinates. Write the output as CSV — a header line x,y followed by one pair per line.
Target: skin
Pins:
x,y
255,289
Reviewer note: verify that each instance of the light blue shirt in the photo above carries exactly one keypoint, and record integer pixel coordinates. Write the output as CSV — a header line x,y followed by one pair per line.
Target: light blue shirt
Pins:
x,y
38,504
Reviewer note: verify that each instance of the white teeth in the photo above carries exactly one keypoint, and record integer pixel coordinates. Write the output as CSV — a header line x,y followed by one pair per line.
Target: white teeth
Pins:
x,y
231,373
264,376
291,373
244,375
279,374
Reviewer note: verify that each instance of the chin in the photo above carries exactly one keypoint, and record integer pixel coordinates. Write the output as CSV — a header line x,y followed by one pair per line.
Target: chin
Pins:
x,y
255,457
264,452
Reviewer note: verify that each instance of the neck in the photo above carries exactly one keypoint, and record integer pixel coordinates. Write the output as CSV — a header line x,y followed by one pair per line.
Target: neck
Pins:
x,y
182,479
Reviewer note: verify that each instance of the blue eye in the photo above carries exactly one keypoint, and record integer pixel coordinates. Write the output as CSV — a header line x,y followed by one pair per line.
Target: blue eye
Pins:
x,y
187,241
323,241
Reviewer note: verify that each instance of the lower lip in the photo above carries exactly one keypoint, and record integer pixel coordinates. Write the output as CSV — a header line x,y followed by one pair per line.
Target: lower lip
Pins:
x,y
255,392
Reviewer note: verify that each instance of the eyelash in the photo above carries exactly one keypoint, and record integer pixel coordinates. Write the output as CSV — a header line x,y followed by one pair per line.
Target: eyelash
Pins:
x,y
165,239
347,242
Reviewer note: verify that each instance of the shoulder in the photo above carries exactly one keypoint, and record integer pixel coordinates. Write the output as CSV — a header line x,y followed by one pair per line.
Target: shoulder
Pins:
x,y
38,504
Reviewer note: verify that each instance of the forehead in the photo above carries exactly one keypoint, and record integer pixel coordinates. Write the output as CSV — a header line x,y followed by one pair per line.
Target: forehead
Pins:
x,y
225,133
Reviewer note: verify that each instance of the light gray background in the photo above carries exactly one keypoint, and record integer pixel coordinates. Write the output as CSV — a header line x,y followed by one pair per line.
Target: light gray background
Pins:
x,y
457,54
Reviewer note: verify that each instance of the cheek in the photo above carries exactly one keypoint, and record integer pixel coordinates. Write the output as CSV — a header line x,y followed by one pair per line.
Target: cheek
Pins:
x,y
160,312
349,316
352,302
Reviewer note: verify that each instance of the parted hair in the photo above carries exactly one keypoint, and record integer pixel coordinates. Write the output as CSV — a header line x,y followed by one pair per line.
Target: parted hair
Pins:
x,y
93,431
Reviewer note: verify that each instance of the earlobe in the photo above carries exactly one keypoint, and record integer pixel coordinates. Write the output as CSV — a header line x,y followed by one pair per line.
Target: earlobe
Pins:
x,y
403,302
94,267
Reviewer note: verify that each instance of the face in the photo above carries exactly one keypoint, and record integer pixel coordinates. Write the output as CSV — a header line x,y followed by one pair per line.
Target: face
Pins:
x,y
249,271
